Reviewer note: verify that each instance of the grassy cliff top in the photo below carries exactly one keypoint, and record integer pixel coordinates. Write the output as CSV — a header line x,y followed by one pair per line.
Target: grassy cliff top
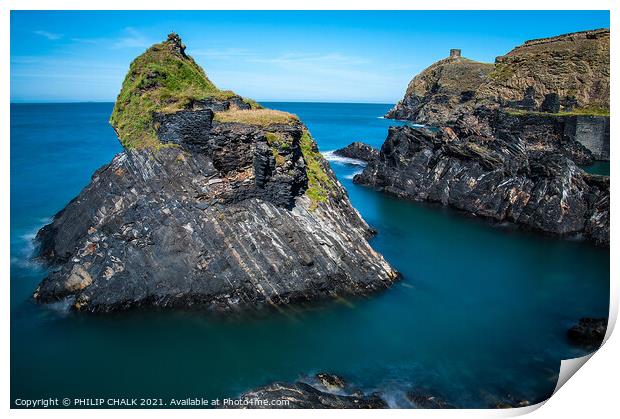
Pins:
x,y
163,79
450,75
571,65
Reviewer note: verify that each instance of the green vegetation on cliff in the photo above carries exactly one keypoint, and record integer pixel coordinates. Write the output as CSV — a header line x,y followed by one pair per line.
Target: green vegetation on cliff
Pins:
x,y
166,80
162,80
319,183
585,111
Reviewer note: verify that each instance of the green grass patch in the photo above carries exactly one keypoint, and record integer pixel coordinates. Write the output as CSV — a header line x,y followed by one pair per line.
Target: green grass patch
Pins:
x,y
585,111
260,117
160,80
502,72
319,183
278,139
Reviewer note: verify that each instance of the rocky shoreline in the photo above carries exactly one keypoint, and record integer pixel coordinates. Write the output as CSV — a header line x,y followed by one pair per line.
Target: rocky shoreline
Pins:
x,y
330,391
494,178
503,153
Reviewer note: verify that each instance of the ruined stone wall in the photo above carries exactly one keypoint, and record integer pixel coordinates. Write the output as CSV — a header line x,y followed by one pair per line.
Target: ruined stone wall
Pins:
x,y
592,132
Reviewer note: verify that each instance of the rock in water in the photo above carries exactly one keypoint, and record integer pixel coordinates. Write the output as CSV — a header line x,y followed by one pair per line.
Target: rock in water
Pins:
x,y
331,382
507,146
304,396
588,332
358,151
494,177
427,401
214,202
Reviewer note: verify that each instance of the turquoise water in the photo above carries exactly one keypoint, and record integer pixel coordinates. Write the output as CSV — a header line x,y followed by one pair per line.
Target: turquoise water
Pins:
x,y
598,168
481,312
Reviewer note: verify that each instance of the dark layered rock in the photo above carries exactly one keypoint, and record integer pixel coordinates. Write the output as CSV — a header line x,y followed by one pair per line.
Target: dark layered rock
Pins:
x,y
427,401
589,332
566,76
509,402
331,382
551,103
200,212
442,92
358,151
216,222
528,102
304,396
541,133
508,150
495,176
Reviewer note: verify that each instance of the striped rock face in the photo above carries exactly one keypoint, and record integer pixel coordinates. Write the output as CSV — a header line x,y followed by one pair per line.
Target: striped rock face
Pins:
x,y
223,205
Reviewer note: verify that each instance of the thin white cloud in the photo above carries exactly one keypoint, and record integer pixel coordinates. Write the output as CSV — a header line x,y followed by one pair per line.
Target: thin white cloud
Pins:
x,y
131,38
49,35
222,54
295,58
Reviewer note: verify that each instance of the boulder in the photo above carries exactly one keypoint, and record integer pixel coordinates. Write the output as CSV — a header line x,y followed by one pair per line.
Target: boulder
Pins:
x,y
589,332
358,151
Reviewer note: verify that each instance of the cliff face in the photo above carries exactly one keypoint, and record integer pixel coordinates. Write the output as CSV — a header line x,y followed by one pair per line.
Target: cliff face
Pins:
x,y
574,68
511,136
215,202
501,177
442,92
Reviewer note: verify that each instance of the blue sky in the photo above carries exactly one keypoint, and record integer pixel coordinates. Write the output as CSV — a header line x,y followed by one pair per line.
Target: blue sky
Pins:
x,y
348,56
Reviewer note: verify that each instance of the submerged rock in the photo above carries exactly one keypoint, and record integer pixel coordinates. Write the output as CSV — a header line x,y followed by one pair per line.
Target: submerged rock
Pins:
x,y
358,151
303,396
215,202
588,332
497,177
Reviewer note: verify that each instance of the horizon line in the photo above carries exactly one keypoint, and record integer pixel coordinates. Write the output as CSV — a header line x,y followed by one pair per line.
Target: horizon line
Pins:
x,y
260,101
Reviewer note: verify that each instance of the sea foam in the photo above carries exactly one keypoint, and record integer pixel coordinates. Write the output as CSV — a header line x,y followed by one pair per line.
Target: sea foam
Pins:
x,y
330,156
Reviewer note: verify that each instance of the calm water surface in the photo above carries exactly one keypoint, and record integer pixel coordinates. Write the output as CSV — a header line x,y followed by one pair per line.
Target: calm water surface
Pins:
x,y
481,313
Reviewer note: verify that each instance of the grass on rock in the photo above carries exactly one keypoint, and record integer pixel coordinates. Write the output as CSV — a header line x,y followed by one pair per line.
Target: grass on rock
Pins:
x,y
260,117
162,80
585,111
319,183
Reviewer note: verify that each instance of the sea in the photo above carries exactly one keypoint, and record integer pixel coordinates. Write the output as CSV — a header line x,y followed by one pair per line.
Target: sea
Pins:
x,y
480,315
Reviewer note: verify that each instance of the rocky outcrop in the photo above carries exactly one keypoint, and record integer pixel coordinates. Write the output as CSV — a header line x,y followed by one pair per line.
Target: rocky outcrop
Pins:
x,y
589,332
427,401
358,151
564,73
216,204
331,382
300,395
510,137
498,176
575,66
442,92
